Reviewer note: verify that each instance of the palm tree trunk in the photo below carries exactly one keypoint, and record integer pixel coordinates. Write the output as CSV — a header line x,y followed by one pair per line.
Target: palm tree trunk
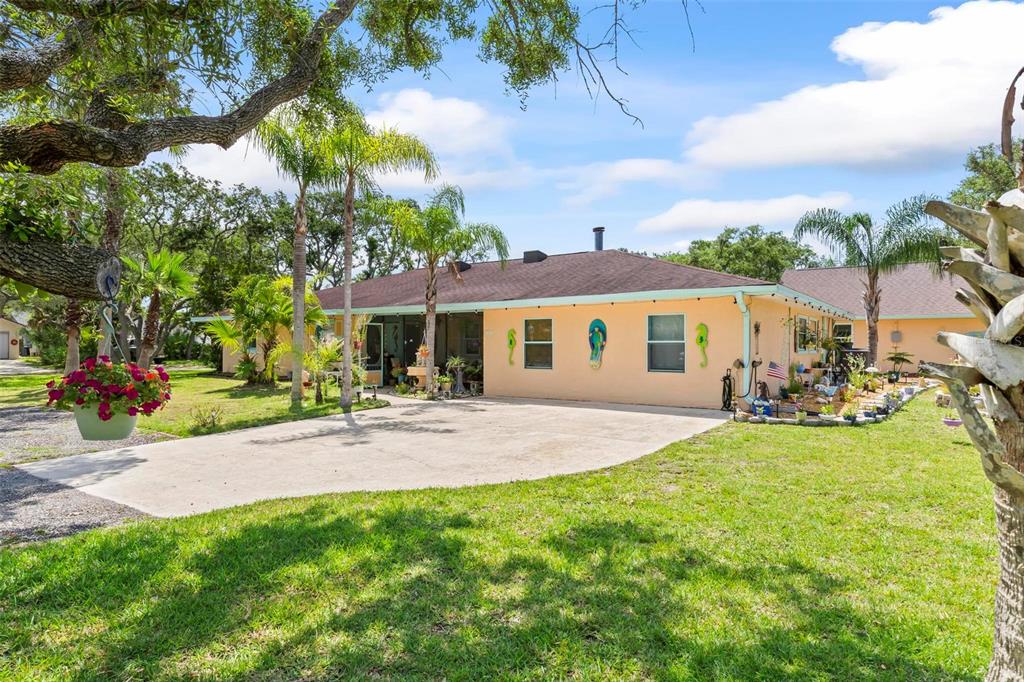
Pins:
x,y
298,296
346,288
430,326
150,331
872,303
1008,646
73,325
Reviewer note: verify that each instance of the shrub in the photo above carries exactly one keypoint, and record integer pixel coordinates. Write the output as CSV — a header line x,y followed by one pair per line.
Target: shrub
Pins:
x,y
205,417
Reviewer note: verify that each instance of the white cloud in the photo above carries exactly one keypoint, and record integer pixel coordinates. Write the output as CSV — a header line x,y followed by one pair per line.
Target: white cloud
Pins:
x,y
606,178
450,125
709,214
241,163
933,88
471,143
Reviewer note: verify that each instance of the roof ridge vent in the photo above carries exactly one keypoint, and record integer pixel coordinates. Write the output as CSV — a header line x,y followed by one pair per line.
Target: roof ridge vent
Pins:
x,y
534,256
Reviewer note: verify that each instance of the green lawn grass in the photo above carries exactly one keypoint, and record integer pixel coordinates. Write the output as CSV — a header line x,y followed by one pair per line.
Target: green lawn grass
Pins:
x,y
751,552
241,405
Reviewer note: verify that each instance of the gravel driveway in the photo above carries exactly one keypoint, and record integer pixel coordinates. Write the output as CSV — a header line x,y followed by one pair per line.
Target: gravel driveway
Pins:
x,y
32,509
30,433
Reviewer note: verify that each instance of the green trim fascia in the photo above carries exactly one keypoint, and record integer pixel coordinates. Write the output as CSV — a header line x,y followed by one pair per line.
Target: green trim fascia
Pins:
x,y
930,316
595,299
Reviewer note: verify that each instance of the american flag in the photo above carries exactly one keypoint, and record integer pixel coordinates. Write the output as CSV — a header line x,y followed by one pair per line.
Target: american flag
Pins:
x,y
775,371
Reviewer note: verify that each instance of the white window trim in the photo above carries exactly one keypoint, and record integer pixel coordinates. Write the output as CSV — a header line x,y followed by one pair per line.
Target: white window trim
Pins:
x,y
848,338
805,350
647,346
546,343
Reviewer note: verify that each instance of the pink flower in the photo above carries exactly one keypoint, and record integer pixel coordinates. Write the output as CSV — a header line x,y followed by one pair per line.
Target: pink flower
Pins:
x,y
90,364
132,410
56,394
131,392
77,377
79,401
137,374
50,384
105,412
164,376
105,359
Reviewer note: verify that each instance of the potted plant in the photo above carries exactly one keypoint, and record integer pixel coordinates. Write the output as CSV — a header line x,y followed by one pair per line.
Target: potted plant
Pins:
x,y
457,366
421,354
107,398
952,420
898,358
445,382
398,373
801,415
850,414
827,411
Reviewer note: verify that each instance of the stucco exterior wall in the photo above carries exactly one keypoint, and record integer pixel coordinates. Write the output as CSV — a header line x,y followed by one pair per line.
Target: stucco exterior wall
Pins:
x,y
13,330
284,365
776,340
623,375
918,337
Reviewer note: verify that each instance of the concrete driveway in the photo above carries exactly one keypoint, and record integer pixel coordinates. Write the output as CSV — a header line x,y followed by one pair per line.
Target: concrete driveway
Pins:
x,y
412,444
14,367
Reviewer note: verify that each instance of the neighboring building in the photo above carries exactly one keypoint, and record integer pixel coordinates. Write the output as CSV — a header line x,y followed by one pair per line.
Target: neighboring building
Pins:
x,y
12,336
916,305
652,311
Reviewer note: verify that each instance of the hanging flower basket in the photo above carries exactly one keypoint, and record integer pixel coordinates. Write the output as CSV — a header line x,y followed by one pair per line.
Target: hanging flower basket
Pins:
x,y
107,398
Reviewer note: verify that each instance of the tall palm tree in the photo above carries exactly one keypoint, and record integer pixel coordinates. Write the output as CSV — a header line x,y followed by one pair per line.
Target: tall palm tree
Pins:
x,y
854,239
301,146
160,275
441,238
361,151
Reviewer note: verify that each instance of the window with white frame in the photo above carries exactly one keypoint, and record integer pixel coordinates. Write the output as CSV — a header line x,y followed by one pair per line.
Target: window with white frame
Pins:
x,y
538,344
805,335
666,343
842,332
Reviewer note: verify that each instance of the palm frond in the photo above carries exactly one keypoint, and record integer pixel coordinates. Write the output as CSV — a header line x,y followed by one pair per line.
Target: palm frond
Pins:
x,y
227,333
835,231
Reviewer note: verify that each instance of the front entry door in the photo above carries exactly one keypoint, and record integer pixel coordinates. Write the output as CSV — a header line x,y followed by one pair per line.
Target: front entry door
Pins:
x,y
373,354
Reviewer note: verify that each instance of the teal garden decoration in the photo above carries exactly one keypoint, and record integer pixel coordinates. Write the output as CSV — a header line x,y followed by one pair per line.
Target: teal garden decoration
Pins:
x,y
702,343
598,336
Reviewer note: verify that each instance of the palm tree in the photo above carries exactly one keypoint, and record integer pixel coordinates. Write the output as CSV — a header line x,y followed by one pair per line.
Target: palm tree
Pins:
x,y
361,151
441,238
260,309
160,275
854,239
302,149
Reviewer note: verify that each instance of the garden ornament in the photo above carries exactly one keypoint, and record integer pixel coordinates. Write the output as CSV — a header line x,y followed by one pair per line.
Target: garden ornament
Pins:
x,y
702,343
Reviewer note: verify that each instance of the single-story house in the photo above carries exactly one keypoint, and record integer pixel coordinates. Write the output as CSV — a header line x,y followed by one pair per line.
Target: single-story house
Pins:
x,y
12,336
599,325
917,303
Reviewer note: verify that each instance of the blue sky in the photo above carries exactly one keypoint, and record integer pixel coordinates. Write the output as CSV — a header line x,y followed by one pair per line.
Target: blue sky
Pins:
x,y
779,107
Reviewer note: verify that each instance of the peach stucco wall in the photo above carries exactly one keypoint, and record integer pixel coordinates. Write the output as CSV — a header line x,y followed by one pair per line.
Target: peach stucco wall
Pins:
x,y
623,375
776,339
918,337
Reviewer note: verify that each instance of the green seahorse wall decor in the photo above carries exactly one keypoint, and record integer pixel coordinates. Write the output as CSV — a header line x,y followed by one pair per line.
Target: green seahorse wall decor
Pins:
x,y
597,334
702,343
511,345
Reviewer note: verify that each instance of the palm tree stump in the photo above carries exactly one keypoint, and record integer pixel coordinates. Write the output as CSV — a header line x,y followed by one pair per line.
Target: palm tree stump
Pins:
x,y
995,276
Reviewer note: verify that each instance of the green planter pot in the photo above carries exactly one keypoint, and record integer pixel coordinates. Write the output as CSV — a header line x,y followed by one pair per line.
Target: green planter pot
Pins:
x,y
118,427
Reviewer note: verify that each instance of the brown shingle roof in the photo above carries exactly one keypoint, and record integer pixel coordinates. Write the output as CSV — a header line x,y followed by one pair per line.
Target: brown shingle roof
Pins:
x,y
910,291
570,274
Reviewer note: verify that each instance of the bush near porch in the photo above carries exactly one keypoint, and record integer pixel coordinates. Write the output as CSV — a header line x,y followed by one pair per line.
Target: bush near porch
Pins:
x,y
196,393
745,553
